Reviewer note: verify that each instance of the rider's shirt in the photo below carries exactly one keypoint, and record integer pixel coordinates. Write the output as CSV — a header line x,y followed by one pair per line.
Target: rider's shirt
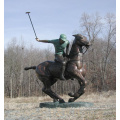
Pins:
x,y
59,48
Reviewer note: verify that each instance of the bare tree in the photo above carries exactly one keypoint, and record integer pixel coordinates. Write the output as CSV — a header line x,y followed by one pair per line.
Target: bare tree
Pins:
x,y
110,37
94,26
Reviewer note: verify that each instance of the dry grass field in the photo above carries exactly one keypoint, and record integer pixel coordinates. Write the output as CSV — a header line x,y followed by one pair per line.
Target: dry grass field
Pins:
x,y
28,108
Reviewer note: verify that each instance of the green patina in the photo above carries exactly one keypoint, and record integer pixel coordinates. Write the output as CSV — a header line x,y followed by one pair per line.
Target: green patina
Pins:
x,y
65,105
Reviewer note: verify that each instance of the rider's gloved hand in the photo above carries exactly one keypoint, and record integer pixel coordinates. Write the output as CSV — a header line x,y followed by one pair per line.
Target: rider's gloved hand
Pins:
x,y
37,39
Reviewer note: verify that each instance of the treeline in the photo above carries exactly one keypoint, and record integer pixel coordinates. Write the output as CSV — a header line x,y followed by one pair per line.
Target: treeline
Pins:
x,y
100,60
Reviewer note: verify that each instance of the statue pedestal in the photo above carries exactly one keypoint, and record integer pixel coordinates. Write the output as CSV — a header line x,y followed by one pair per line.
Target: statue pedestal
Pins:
x,y
65,105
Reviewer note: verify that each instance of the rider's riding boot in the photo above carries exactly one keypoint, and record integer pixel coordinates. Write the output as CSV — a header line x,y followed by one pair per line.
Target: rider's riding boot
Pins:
x,y
62,73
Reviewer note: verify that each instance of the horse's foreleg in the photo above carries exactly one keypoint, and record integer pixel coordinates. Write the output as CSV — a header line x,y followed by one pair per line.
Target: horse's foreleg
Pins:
x,y
78,75
78,93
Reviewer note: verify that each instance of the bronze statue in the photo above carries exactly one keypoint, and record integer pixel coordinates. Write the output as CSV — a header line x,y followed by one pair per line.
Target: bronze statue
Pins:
x,y
48,71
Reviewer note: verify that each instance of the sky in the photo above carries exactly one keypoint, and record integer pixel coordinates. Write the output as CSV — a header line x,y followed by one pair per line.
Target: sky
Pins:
x,y
50,18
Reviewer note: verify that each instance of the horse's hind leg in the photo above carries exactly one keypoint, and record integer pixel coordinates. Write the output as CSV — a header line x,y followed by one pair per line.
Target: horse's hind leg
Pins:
x,y
47,89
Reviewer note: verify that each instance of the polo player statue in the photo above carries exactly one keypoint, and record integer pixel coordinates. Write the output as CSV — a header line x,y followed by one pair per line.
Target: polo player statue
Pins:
x,y
50,71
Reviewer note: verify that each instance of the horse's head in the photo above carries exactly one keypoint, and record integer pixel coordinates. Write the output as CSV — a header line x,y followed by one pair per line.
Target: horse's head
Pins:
x,y
81,40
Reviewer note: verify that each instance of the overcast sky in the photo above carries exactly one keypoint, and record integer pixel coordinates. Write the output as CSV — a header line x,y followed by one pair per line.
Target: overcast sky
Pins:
x,y
50,18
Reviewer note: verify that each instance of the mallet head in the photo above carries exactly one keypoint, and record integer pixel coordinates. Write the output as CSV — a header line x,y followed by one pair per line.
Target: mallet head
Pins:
x,y
27,12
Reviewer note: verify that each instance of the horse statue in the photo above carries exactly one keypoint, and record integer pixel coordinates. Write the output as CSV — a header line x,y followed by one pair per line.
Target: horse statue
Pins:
x,y
48,71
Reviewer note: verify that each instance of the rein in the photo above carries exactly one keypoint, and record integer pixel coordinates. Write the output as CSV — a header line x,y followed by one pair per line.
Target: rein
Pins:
x,y
85,50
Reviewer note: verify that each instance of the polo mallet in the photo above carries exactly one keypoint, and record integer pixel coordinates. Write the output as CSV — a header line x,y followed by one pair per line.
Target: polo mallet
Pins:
x,y
31,23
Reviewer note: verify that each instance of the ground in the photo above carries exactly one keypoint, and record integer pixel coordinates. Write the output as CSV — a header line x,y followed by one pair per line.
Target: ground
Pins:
x,y
28,108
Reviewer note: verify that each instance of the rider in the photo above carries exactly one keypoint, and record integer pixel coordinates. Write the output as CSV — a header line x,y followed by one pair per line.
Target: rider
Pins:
x,y
59,44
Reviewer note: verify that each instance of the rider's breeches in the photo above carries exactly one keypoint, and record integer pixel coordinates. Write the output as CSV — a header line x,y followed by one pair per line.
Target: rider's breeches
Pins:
x,y
60,59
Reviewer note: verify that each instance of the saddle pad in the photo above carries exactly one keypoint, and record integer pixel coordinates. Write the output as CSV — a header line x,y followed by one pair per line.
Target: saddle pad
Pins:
x,y
42,69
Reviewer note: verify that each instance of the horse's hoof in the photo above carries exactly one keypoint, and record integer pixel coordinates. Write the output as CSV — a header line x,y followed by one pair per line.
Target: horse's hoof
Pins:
x,y
71,94
61,101
71,100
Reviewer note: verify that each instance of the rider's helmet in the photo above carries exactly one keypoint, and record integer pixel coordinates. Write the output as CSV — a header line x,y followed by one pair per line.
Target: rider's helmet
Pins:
x,y
63,37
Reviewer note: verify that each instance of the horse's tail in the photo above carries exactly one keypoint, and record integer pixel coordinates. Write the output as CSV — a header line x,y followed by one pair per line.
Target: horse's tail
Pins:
x,y
32,67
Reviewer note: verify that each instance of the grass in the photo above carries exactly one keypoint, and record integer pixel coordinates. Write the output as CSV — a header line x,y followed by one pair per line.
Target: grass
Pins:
x,y
93,97
104,108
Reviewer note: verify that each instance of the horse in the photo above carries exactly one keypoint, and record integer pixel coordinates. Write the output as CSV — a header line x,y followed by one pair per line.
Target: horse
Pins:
x,y
48,71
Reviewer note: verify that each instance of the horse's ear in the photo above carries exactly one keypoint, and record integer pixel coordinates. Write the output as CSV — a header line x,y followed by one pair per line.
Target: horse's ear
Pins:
x,y
79,36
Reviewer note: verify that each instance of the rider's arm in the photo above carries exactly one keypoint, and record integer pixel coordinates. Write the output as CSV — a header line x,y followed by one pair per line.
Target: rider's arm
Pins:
x,y
45,41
